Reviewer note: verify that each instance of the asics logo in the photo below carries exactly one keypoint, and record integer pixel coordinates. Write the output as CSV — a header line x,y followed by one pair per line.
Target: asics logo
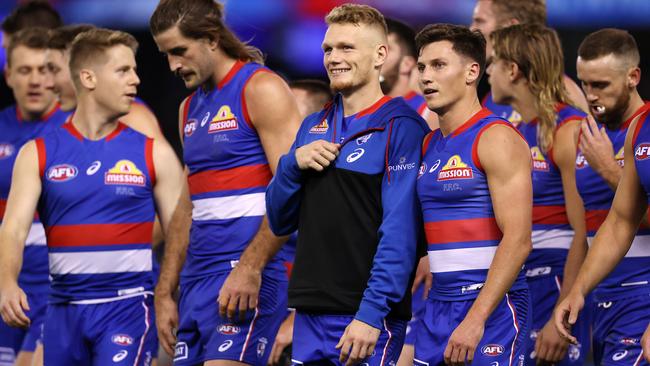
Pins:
x,y
355,155
94,167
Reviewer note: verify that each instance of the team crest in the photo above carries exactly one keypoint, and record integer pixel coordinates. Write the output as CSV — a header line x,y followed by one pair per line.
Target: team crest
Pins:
x,y
539,162
620,157
641,152
224,120
125,173
322,128
455,169
6,150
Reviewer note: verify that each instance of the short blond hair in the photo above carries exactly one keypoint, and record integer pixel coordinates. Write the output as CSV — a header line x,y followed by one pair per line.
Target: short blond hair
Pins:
x,y
357,14
91,45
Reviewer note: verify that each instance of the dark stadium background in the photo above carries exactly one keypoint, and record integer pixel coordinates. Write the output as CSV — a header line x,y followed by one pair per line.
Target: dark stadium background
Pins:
x,y
289,32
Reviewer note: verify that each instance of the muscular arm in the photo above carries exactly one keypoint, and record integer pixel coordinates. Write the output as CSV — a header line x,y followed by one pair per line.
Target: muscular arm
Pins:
x,y
575,93
564,155
511,192
141,119
23,198
274,113
615,235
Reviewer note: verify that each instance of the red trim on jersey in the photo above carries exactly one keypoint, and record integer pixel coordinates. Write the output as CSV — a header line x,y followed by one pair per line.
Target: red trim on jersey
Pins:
x,y
628,121
410,95
73,131
45,116
595,218
484,100
422,108
231,73
373,108
251,176
148,157
484,112
390,131
3,207
475,157
40,150
244,108
550,215
99,234
455,231
637,129
120,127
427,139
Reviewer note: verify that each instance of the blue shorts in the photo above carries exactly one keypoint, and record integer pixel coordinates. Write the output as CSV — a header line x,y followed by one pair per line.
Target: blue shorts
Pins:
x,y
112,333
504,341
618,326
14,340
417,311
315,338
544,292
203,335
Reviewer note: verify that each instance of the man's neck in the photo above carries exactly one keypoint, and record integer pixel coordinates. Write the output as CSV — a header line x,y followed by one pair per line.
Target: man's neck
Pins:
x,y
361,98
401,87
635,103
93,121
454,115
524,103
223,65
27,116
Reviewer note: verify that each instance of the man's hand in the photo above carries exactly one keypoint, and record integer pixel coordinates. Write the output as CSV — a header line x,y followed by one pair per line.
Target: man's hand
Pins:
x,y
166,321
423,275
645,343
550,346
282,339
463,342
317,155
566,315
358,342
597,147
13,302
239,292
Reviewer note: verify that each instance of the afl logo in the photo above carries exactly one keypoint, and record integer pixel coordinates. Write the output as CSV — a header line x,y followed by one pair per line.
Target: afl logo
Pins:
x,y
61,173
492,350
6,150
190,127
641,152
423,169
228,329
122,340
581,162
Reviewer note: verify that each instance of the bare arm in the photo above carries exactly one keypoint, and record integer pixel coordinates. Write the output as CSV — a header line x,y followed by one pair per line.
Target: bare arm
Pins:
x,y
564,155
510,188
511,191
274,114
141,119
23,198
599,152
612,241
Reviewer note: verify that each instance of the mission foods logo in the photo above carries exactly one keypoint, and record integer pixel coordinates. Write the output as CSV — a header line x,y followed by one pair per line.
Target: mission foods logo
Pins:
x,y
321,128
455,169
620,157
61,173
124,173
642,151
539,162
224,120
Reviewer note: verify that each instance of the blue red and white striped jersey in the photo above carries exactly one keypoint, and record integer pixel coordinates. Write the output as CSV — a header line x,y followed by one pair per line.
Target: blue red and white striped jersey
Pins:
x,y
417,102
504,111
632,275
15,133
459,223
641,148
552,234
228,175
98,210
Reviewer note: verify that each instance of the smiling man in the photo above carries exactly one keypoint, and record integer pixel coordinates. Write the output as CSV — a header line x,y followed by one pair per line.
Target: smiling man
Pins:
x,y
98,185
348,186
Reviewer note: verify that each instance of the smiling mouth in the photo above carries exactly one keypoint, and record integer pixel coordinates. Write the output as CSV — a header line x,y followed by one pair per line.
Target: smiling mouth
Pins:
x,y
338,71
